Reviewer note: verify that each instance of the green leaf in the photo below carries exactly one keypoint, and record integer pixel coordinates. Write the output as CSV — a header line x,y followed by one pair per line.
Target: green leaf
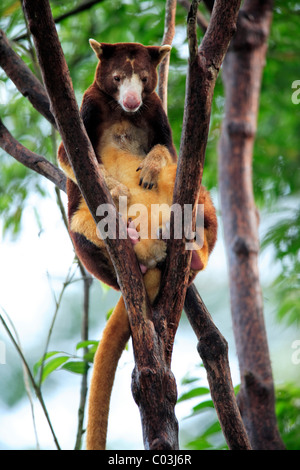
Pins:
x,y
213,429
109,313
204,405
104,287
85,344
195,392
38,364
199,444
92,348
53,365
189,380
77,367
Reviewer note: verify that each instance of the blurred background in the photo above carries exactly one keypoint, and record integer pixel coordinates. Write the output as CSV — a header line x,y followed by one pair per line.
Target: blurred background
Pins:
x,y
40,281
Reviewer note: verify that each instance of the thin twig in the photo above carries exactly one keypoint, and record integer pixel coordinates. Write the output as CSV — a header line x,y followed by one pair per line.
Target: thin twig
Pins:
x,y
87,283
201,20
66,283
80,8
26,379
31,378
169,32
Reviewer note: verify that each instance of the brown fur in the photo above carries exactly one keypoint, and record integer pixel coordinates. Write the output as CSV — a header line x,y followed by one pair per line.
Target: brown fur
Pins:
x,y
138,160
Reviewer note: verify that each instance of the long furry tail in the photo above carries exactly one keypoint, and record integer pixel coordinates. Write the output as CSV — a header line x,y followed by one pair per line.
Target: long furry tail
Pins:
x,y
115,336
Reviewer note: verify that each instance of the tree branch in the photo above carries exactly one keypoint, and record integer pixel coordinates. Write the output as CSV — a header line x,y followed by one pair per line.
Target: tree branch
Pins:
x,y
80,8
192,30
32,89
87,283
36,388
25,81
30,159
201,20
169,32
213,350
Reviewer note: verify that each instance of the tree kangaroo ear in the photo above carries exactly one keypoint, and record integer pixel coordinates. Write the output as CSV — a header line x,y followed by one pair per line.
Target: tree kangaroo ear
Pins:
x,y
163,51
97,48
158,53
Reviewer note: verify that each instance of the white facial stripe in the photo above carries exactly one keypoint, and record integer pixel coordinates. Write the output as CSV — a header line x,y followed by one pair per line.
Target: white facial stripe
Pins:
x,y
130,93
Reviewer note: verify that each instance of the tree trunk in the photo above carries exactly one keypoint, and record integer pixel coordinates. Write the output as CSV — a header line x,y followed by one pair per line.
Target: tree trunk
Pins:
x,y
242,72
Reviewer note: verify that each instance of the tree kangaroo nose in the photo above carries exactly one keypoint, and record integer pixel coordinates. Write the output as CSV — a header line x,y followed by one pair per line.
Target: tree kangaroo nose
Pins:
x,y
132,101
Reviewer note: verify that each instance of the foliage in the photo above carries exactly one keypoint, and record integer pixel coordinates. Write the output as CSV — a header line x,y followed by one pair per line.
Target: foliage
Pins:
x,y
288,415
284,237
211,438
277,156
58,360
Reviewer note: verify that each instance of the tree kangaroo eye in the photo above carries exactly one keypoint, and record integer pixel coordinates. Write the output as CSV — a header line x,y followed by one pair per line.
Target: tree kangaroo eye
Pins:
x,y
144,79
117,78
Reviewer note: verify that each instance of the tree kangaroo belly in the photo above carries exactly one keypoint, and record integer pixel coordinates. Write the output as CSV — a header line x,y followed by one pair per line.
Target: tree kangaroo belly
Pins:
x,y
123,148
150,209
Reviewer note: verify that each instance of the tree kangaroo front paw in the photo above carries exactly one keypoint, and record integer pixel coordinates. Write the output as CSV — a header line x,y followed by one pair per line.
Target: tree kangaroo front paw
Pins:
x,y
150,167
120,190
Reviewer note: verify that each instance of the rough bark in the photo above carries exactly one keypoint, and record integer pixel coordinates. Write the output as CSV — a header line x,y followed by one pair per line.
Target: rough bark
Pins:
x,y
242,72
